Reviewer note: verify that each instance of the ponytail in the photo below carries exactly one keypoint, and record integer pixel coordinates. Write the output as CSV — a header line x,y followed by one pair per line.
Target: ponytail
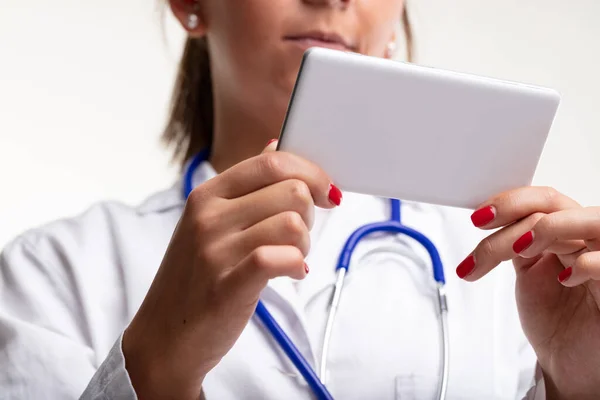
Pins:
x,y
190,125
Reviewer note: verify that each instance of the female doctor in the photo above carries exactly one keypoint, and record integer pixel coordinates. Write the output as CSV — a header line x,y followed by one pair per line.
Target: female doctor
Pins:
x,y
87,306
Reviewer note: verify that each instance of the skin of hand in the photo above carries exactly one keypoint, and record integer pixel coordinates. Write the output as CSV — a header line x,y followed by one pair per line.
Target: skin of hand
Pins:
x,y
554,244
238,230
251,222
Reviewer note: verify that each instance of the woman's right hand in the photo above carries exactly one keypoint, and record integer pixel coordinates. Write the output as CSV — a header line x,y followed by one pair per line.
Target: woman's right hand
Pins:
x,y
238,230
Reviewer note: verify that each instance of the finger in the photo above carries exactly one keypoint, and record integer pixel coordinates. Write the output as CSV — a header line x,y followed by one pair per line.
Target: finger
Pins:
x,y
570,227
586,267
290,195
271,146
593,244
269,168
250,276
286,228
569,259
514,205
494,249
521,263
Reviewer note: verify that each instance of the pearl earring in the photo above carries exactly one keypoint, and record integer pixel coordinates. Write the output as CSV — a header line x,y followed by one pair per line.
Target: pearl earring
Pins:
x,y
391,49
192,22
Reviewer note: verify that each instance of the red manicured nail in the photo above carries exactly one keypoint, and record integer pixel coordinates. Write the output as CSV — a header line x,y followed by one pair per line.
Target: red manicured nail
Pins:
x,y
523,242
270,141
483,216
565,274
335,195
306,269
466,267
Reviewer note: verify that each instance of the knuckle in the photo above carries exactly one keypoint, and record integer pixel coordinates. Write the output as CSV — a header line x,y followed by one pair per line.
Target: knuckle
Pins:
x,y
304,245
196,196
293,224
296,232
206,219
485,249
301,194
260,258
273,163
300,190
299,257
584,261
509,200
551,195
545,225
536,217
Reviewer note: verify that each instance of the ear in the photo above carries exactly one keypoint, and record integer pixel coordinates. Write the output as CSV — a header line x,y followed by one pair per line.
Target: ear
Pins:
x,y
190,15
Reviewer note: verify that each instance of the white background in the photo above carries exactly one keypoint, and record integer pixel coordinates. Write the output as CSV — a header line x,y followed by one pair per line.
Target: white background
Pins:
x,y
84,92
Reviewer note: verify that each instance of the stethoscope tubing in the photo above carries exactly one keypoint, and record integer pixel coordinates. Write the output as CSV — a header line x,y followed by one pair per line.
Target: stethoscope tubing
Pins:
x,y
394,225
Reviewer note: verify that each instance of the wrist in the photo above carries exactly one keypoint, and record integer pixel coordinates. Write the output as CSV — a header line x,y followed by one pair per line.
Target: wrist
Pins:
x,y
153,375
552,392
559,390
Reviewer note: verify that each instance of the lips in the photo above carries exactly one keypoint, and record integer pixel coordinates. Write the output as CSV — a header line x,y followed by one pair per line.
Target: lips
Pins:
x,y
321,39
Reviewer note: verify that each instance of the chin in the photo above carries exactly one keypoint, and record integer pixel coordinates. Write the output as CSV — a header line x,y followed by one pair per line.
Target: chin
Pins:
x,y
285,87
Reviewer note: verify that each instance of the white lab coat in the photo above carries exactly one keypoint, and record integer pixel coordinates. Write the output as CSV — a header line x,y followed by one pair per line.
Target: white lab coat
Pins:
x,y
68,290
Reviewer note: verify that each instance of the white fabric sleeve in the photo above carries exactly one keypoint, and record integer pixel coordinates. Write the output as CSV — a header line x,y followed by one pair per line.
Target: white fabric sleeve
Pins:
x,y
47,346
111,381
538,391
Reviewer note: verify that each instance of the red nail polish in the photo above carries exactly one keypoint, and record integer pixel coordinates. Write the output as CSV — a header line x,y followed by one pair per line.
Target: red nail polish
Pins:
x,y
306,269
466,267
523,242
483,216
270,141
335,195
565,274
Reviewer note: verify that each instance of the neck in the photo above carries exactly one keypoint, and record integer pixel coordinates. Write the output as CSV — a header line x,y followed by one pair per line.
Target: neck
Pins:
x,y
240,132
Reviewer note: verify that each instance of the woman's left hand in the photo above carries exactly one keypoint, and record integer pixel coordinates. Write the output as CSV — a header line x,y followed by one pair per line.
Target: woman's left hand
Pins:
x,y
555,247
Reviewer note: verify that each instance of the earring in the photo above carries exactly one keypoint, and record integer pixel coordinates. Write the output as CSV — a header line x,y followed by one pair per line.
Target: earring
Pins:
x,y
391,49
192,22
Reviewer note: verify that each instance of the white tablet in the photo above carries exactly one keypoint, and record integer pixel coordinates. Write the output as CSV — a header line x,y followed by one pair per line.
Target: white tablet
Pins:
x,y
399,130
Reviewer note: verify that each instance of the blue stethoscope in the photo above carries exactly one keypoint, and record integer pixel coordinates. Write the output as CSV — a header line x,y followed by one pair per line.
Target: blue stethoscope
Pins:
x,y
392,226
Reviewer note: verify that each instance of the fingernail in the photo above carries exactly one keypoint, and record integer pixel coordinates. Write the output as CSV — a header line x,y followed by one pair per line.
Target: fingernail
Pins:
x,y
306,269
523,242
483,216
270,141
465,268
335,195
565,275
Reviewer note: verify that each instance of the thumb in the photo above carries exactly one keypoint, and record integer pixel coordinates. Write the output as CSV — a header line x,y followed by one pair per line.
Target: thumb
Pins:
x,y
271,146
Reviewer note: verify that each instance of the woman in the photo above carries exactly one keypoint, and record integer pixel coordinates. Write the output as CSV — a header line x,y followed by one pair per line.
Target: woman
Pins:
x,y
71,288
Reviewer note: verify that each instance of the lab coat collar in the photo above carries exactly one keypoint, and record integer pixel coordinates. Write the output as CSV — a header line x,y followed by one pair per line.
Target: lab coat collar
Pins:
x,y
163,201
174,197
